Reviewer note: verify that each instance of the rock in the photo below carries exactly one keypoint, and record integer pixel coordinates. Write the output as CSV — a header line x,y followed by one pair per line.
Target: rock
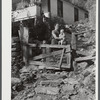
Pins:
x,y
53,83
67,87
90,69
47,90
26,94
86,73
53,76
28,74
23,70
82,94
45,97
41,67
75,97
65,97
29,68
70,81
82,65
15,81
37,98
16,84
30,95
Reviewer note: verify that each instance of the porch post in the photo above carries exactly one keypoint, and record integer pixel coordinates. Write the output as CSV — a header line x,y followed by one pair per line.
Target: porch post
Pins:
x,y
24,36
73,53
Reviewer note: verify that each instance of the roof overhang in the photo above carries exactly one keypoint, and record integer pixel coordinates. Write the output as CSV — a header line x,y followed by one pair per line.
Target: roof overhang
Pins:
x,y
26,13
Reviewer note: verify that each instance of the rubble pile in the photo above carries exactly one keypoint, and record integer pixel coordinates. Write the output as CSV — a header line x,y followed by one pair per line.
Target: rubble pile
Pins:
x,y
86,40
59,86
42,84
17,61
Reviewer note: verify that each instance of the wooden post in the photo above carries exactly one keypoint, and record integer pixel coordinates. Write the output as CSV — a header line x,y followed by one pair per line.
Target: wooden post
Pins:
x,y
73,54
44,50
68,58
24,36
73,41
60,63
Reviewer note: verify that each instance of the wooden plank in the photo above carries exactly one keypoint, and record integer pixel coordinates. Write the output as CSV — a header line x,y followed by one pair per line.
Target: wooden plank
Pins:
x,y
84,58
68,57
42,63
73,41
48,65
86,53
60,63
50,46
41,56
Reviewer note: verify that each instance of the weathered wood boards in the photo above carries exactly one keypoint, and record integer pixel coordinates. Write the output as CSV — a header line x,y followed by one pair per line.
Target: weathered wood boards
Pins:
x,y
41,56
50,46
60,63
86,53
66,49
48,65
26,13
84,58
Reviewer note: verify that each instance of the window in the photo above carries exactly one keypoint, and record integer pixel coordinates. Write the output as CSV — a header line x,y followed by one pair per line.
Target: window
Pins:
x,y
76,14
49,8
86,15
60,8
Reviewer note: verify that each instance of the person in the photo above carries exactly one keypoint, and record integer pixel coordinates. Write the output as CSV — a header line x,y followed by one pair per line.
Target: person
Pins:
x,y
55,34
47,29
67,29
62,36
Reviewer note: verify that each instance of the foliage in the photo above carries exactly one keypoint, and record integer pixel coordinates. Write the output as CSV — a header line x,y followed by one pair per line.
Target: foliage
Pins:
x,y
90,3
55,20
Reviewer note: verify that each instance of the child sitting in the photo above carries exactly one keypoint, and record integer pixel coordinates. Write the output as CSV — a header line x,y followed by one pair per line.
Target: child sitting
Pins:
x,y
62,36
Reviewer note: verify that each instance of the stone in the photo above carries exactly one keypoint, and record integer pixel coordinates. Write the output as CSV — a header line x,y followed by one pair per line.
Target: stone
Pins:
x,y
24,70
16,84
15,81
90,69
47,90
38,98
41,67
70,81
30,95
53,83
82,64
67,87
65,97
53,76
75,97
82,94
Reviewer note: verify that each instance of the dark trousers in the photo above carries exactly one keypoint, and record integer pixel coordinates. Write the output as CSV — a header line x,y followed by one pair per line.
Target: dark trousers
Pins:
x,y
54,41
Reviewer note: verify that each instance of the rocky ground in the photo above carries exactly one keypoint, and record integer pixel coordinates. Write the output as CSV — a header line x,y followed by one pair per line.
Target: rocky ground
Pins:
x,y
35,84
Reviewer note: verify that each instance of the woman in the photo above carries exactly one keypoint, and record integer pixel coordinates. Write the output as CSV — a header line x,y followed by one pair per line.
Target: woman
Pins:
x,y
55,35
